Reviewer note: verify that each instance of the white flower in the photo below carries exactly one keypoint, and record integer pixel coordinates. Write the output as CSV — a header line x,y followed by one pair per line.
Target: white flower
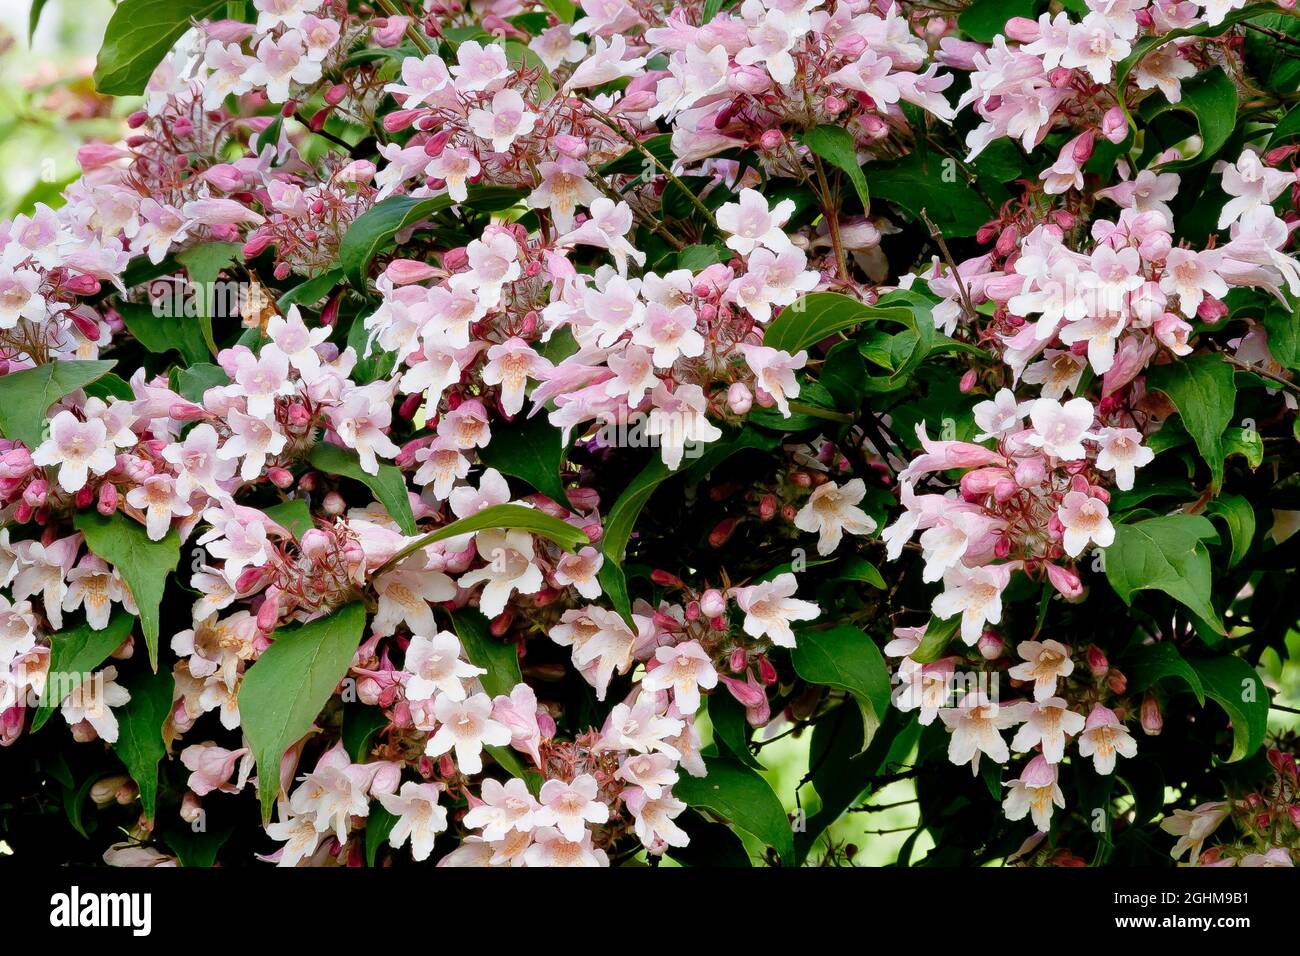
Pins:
x,y
1001,416
510,568
652,818
1084,519
1047,722
159,498
1034,794
78,448
92,701
1122,452
405,593
684,668
570,806
770,607
580,570
830,511
435,667
1045,662
976,724
1104,737
506,121
95,584
1192,827
653,773
551,848
467,726
751,223
974,592
1251,184
1059,429
505,807
419,816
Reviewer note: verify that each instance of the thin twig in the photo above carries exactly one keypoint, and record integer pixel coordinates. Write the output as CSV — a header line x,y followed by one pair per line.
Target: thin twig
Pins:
x,y
640,148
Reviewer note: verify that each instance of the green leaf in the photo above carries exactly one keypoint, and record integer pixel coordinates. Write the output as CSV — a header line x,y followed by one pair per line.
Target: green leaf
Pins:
x,y
1203,389
159,333
1152,663
837,146
846,659
197,848
140,725
311,291
499,658
379,824
203,264
76,653
1287,128
730,728
34,18
139,34
293,515
926,180
1237,514
938,634
388,487
1095,794
859,569
375,229
286,688
144,565
1165,554
1239,690
1211,99
741,797
360,724
531,449
109,386
821,314
26,396
618,531
697,258
982,20
519,517
192,382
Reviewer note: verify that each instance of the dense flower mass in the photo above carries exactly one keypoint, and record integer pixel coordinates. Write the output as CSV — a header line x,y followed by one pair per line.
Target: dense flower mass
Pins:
x,y
474,432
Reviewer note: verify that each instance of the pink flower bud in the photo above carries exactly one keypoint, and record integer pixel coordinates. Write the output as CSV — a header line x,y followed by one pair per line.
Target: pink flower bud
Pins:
x,y
967,383
1116,680
399,120
406,271
388,31
333,504
766,672
1097,662
990,645
722,532
714,604
1065,581
1152,721
84,496
1022,30
1114,126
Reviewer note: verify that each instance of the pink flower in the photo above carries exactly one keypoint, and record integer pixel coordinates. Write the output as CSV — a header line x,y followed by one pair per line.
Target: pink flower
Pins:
x,y
506,121
78,448
1104,737
280,62
684,669
770,608
468,727
569,807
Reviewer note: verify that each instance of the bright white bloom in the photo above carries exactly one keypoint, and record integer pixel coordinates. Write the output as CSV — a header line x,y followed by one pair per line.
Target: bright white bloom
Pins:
x,y
1034,794
1044,663
770,607
1122,452
92,701
78,448
468,727
1085,519
1103,737
570,806
436,668
684,669
751,223
1059,429
831,510
419,817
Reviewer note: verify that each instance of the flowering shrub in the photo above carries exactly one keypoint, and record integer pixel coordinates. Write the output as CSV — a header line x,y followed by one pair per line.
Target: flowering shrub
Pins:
x,y
471,434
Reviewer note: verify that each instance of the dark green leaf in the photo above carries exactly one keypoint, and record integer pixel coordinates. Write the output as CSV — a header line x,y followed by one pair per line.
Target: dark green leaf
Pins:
x,y
1205,393
1165,554
388,486
531,449
741,797
837,146
140,727
847,659
1239,690
285,689
144,565
76,653
139,34
26,396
